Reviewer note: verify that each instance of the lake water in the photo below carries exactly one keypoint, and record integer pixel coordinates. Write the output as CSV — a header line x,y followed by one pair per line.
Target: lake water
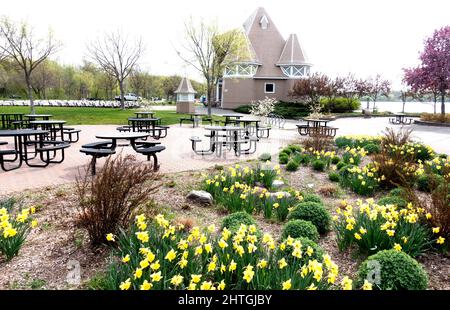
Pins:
x,y
410,107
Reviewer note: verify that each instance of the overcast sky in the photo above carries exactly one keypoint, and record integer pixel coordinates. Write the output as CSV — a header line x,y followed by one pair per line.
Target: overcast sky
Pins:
x,y
340,36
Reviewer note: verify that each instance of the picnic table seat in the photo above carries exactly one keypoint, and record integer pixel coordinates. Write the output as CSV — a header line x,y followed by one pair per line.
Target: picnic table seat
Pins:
x,y
126,128
96,153
151,151
69,131
97,145
263,131
3,143
3,160
45,149
160,131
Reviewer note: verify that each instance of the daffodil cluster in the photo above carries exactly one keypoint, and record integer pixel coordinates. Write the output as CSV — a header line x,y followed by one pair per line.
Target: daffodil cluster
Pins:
x,y
353,156
354,141
14,229
363,181
372,228
236,189
166,256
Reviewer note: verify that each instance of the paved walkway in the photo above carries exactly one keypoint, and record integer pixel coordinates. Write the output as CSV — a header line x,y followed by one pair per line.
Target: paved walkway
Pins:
x,y
179,156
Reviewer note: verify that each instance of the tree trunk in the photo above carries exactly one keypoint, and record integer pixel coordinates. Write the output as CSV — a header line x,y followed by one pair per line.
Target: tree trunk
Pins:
x,y
209,95
443,104
122,96
30,92
403,108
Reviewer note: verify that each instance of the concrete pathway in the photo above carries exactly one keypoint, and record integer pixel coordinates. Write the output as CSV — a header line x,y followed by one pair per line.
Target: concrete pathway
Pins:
x,y
179,156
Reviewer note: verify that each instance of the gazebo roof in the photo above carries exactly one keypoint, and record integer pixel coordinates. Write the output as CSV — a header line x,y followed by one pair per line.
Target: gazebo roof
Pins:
x,y
292,53
185,87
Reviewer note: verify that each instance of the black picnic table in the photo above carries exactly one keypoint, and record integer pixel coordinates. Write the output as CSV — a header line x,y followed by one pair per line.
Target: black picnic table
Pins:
x,y
9,118
400,118
230,118
130,136
55,128
21,136
316,127
144,114
33,117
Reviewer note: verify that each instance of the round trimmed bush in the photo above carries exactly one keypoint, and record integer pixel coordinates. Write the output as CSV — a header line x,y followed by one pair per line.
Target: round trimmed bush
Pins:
x,y
333,176
286,150
314,212
340,164
372,148
300,228
283,158
234,220
335,160
292,165
393,200
318,165
312,197
265,157
295,148
317,251
399,271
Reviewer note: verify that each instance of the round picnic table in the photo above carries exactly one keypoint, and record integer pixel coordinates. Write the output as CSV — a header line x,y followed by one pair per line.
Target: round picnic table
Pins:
x,y
250,124
20,140
230,118
316,122
144,114
143,123
53,126
8,118
33,117
130,136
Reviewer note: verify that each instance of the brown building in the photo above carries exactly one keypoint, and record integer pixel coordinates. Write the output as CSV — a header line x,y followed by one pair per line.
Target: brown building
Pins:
x,y
273,66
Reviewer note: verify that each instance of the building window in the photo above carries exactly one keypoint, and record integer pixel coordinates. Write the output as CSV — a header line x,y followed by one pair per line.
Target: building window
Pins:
x,y
240,70
295,71
269,88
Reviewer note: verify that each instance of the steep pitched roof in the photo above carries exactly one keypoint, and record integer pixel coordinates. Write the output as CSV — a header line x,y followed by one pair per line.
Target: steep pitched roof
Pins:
x,y
185,87
266,41
292,54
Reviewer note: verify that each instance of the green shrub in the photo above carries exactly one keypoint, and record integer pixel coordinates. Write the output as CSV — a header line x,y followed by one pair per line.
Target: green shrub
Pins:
x,y
300,228
295,148
399,271
291,110
312,197
317,253
314,212
234,220
393,200
318,165
398,192
292,165
372,148
287,150
333,176
335,160
283,158
343,142
340,165
340,105
243,109
265,157
302,159
423,183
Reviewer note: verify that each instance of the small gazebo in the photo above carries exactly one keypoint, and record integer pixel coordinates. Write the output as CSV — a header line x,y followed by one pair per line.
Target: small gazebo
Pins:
x,y
185,96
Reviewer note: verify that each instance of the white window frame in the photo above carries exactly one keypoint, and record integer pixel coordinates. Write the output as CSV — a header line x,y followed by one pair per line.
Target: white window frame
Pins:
x,y
265,88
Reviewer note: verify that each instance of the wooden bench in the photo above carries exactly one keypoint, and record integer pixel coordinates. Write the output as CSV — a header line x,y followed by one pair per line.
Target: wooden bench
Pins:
x,y
96,153
72,131
151,151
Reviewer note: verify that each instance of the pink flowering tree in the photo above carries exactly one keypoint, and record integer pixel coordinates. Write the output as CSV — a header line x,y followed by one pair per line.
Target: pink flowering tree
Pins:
x,y
433,74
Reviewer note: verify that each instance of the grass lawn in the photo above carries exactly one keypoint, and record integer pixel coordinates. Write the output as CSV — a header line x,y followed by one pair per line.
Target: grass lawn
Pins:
x,y
95,116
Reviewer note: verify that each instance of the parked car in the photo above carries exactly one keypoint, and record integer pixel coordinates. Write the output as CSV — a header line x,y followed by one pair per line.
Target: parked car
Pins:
x,y
129,97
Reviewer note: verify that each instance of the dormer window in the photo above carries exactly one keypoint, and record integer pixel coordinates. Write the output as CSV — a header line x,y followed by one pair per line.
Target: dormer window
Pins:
x,y
240,70
264,22
296,71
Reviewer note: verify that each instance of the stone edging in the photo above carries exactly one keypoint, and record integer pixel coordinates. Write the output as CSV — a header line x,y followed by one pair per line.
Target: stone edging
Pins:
x,y
435,124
